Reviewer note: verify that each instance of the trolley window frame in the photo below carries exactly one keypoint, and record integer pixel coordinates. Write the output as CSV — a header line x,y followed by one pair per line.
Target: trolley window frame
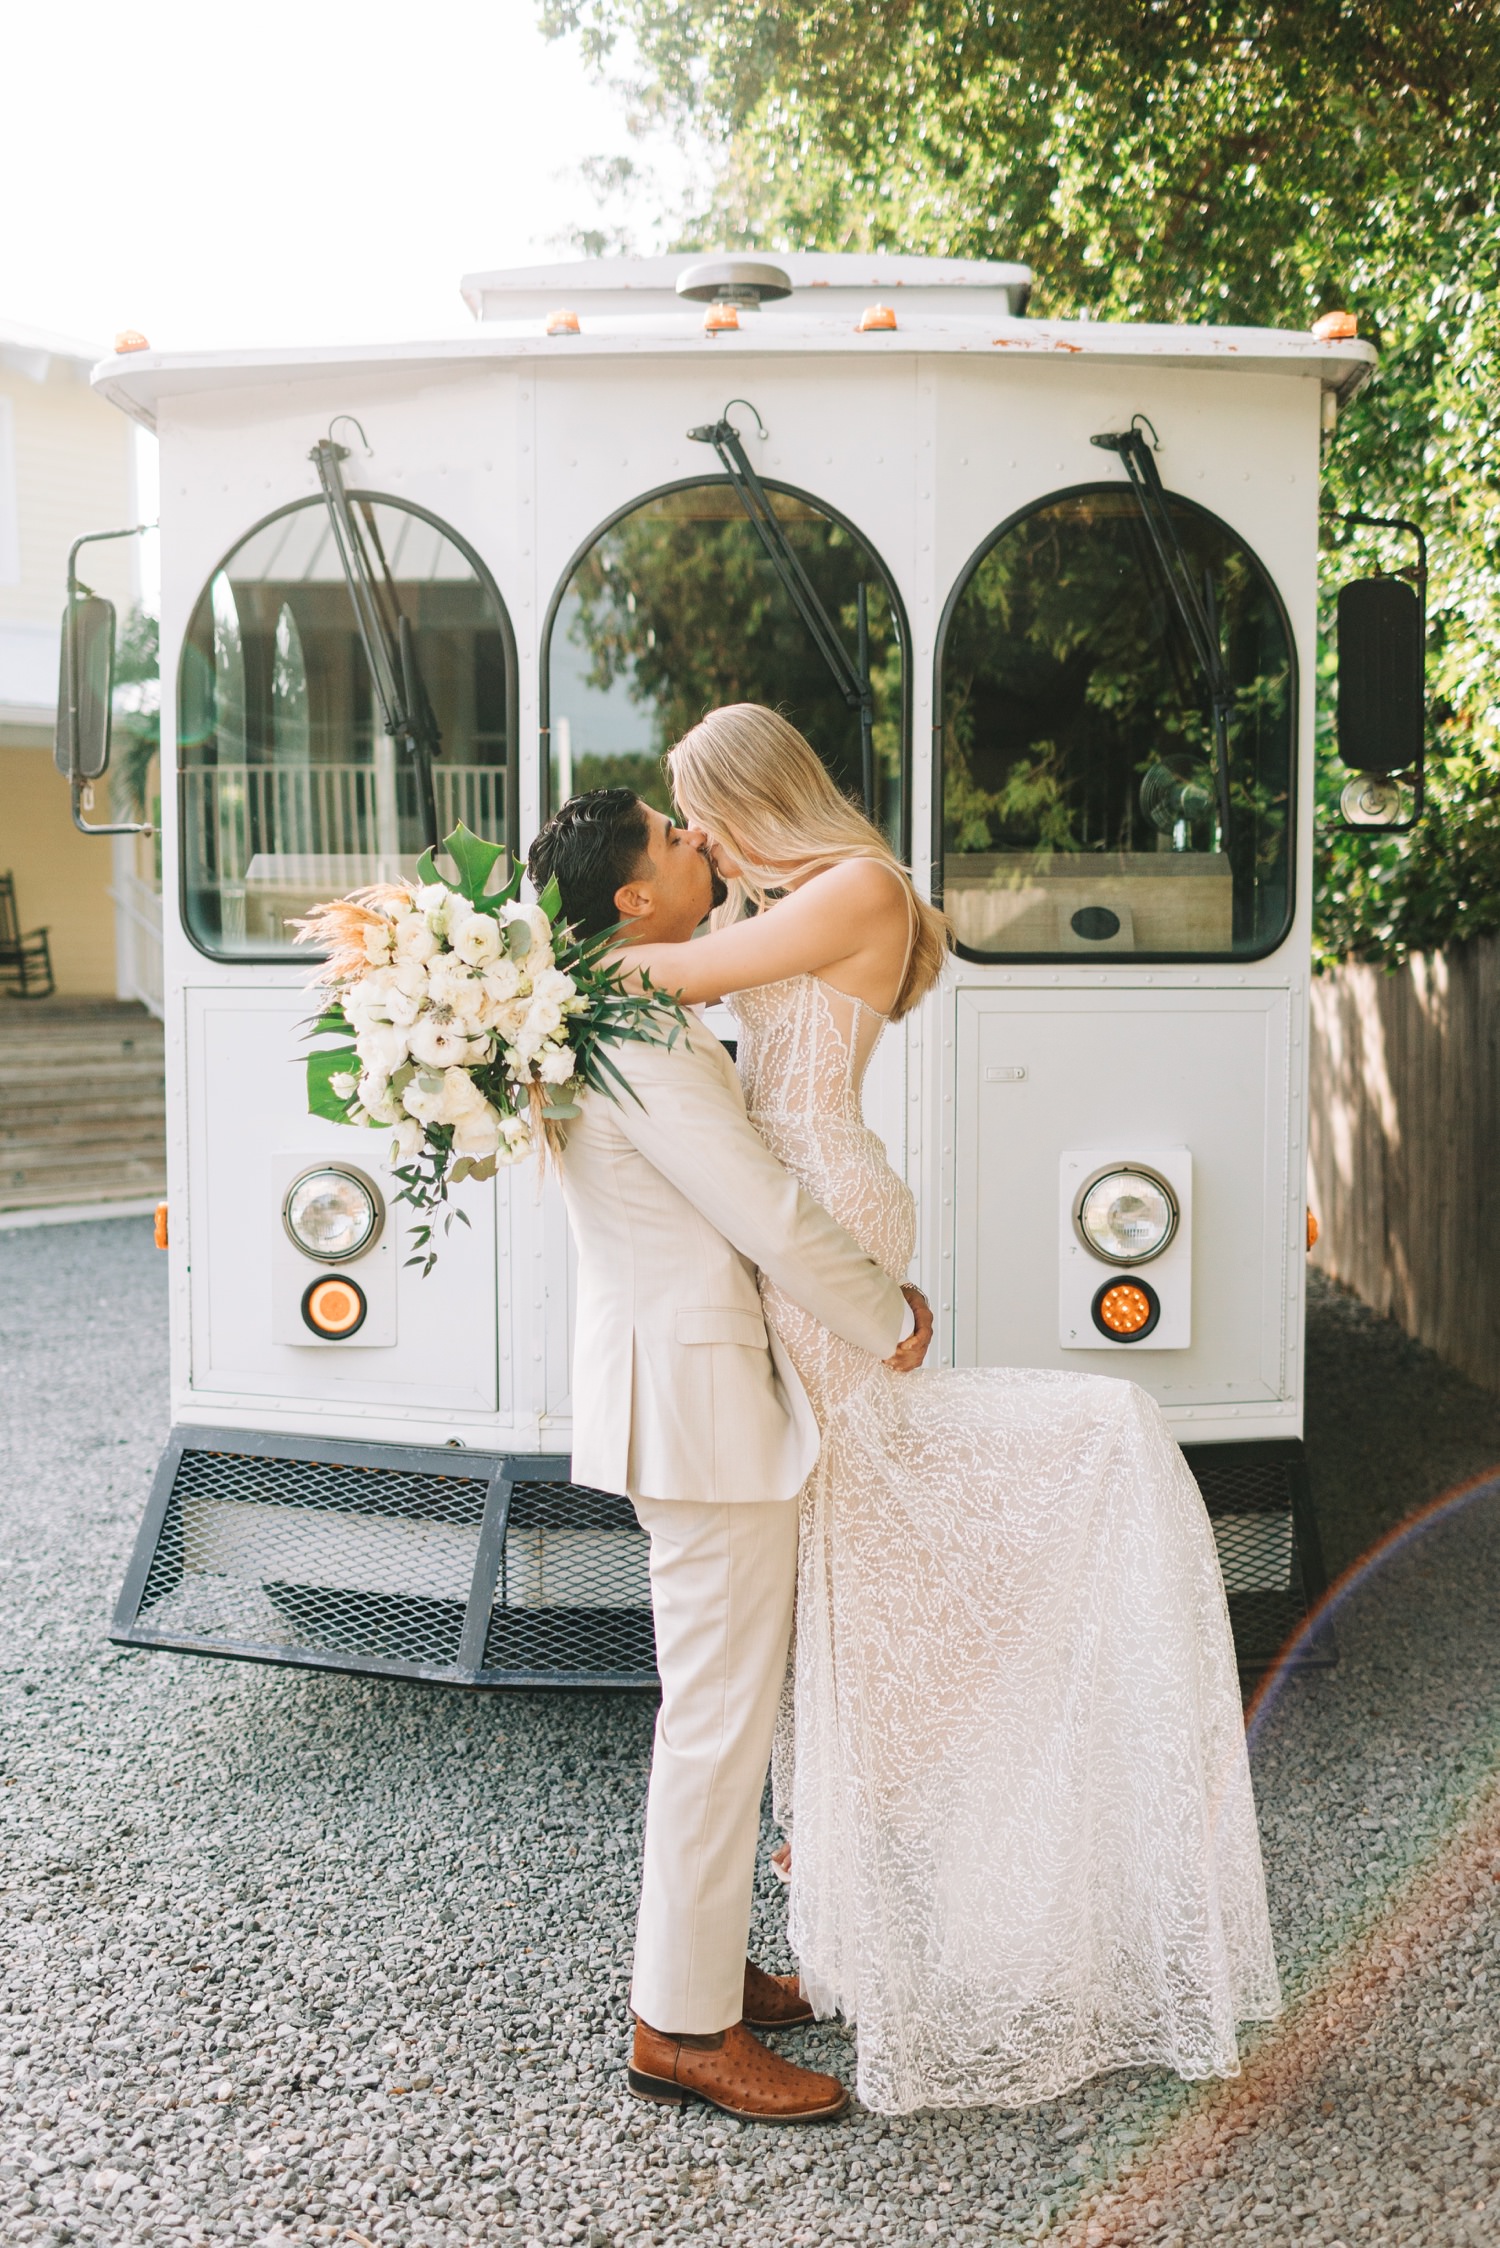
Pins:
x,y
1121,962
601,530
510,767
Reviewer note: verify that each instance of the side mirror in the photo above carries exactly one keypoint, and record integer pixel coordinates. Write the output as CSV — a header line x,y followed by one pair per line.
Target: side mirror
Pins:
x,y
1382,634
85,688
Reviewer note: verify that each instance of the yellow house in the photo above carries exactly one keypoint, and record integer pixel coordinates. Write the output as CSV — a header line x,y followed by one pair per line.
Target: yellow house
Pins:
x,y
67,465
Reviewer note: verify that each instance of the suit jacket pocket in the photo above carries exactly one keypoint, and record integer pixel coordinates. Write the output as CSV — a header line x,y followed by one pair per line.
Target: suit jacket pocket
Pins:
x,y
726,1325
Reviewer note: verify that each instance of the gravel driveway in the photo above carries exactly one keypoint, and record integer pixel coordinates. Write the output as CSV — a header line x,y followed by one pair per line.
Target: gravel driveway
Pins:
x,y
299,1958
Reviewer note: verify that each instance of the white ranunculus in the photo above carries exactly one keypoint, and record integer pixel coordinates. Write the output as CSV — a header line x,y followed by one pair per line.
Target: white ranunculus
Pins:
x,y
438,1045
432,897
377,943
409,1140
554,1064
383,1047
478,941
376,1097
454,988
415,938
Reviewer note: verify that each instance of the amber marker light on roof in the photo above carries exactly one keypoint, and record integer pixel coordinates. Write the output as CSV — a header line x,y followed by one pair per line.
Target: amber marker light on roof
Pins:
x,y
876,316
562,324
1336,327
131,339
720,318
1126,1310
334,1307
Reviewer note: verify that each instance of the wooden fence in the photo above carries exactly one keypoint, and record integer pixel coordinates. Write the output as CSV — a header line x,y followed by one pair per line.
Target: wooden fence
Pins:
x,y
1406,1145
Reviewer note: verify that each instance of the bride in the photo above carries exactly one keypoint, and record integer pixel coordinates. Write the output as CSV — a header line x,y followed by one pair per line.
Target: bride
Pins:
x,y
1025,1847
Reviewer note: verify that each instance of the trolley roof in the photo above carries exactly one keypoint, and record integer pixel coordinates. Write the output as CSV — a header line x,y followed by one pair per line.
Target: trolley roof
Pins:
x,y
628,307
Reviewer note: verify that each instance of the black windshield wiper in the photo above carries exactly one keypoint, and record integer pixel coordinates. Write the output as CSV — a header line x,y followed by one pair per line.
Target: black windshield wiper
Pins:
x,y
384,630
851,676
1194,603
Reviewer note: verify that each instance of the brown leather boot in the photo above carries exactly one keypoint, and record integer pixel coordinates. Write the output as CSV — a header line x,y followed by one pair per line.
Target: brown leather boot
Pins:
x,y
733,2071
773,2001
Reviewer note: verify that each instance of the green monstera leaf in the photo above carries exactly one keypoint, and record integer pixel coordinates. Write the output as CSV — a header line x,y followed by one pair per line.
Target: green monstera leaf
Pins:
x,y
475,860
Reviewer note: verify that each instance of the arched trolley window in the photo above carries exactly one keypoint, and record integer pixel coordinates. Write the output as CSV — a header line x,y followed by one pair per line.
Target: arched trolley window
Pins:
x,y
1083,809
291,792
673,607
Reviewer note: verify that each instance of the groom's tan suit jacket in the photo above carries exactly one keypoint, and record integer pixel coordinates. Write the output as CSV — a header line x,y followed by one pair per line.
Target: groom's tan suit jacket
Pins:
x,y
679,1389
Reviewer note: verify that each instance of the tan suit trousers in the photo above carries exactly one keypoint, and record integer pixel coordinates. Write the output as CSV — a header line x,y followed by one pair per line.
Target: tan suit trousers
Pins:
x,y
722,1585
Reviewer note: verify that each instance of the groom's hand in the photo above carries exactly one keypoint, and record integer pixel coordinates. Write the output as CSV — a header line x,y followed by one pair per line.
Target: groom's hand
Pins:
x,y
908,1356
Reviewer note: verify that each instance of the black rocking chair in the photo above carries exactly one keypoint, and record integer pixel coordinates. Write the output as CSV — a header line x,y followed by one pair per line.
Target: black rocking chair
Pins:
x,y
25,962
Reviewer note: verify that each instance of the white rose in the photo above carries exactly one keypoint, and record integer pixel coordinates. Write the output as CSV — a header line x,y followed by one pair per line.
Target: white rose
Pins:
x,y
502,979
554,1065
409,1141
382,1047
477,1134
454,987
431,898
478,941
343,1082
543,1019
438,1045
536,921
415,939
376,1097
555,985
377,943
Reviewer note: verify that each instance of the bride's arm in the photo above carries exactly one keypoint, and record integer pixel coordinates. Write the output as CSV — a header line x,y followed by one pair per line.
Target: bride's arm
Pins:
x,y
831,918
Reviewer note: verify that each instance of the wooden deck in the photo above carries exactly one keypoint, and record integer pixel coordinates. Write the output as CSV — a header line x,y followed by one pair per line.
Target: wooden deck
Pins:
x,y
82,1103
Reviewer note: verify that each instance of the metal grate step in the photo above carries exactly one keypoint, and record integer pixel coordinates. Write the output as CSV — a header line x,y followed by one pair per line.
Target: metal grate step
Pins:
x,y
486,1570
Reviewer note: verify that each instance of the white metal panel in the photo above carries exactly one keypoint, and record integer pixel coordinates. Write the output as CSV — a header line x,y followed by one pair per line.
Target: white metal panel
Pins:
x,y
1204,1068
247,1103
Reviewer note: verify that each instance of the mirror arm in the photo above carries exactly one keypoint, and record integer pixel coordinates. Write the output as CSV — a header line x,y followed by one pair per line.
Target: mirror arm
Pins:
x,y
76,783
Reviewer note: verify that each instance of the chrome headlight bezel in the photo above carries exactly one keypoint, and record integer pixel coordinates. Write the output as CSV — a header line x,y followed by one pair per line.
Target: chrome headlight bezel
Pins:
x,y
364,1185
1126,1170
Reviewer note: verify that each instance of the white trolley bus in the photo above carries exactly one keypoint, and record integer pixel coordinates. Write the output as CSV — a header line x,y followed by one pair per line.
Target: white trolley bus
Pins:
x,y
1042,594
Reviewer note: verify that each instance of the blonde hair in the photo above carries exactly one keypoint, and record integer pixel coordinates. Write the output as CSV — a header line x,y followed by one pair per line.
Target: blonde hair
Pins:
x,y
748,776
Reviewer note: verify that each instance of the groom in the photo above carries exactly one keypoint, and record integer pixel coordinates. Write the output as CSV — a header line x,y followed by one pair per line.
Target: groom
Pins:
x,y
684,1399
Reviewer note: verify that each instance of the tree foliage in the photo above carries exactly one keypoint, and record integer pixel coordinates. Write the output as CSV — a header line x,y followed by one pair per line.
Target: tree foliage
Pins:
x,y
1176,160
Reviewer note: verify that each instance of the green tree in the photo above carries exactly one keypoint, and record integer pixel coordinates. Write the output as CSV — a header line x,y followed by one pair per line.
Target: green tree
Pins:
x,y
1230,160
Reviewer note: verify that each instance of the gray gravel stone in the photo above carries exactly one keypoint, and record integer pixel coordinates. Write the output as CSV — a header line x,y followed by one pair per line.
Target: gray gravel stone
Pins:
x,y
289,1958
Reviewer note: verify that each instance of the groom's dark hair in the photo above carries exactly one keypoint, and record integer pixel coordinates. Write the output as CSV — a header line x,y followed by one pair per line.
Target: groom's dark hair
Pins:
x,y
597,842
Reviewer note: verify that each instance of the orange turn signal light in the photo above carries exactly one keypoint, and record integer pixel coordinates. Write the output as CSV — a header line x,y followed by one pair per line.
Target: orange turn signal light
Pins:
x,y
1312,1230
562,324
334,1307
1126,1310
876,316
160,1228
720,319
1336,327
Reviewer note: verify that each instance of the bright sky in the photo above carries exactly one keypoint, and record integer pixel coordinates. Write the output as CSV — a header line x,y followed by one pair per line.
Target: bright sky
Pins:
x,y
285,171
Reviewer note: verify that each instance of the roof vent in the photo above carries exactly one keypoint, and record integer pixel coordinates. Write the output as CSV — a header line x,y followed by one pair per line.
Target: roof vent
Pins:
x,y
744,282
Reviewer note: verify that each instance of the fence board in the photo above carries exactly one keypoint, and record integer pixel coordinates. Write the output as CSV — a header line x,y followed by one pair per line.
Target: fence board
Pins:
x,y
1405,1144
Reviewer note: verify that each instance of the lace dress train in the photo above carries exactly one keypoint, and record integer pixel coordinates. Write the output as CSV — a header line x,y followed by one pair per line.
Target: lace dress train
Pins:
x,y
1025,1847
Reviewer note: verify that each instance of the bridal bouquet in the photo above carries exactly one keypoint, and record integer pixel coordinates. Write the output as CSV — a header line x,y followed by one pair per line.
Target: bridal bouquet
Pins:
x,y
475,1020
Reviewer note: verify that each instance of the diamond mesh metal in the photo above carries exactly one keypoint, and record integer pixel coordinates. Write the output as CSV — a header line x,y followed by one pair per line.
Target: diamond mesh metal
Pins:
x,y
1256,1496
315,1555
574,1591
377,1560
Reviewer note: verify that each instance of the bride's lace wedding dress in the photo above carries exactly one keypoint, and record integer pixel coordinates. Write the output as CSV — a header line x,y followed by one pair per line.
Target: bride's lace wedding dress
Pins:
x,y
1024,1841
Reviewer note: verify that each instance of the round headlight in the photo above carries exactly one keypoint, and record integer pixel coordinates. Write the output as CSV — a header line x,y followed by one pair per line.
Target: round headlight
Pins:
x,y
333,1214
1126,1215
